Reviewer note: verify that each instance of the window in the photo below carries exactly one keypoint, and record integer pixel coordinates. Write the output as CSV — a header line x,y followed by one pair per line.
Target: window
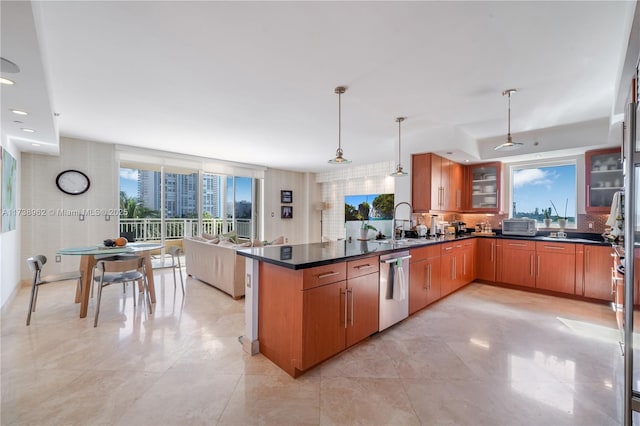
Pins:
x,y
544,189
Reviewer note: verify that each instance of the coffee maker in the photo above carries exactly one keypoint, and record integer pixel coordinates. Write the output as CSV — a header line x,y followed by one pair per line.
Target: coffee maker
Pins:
x,y
461,227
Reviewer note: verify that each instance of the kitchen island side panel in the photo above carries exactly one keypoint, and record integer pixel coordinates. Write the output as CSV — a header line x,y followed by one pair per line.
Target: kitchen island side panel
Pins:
x,y
280,316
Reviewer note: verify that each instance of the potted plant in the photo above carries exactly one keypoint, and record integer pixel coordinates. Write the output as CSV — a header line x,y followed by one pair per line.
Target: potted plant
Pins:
x,y
363,210
562,220
547,217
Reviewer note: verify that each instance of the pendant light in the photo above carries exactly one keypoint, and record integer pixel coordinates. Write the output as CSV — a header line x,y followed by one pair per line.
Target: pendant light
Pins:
x,y
399,172
339,154
509,145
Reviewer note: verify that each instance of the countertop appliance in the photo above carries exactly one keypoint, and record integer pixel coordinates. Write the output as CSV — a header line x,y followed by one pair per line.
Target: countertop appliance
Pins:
x,y
521,226
394,288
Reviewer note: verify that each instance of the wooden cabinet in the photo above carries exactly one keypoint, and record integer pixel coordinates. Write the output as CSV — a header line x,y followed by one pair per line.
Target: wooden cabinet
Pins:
x,y
483,187
555,267
595,279
437,183
421,185
424,277
306,316
517,259
486,259
362,299
603,177
457,265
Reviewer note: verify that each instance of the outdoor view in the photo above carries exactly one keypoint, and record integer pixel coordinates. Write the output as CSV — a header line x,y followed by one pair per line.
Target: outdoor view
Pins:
x,y
545,193
225,203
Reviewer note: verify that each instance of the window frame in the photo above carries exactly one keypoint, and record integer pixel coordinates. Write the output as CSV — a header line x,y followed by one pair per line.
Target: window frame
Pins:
x,y
579,179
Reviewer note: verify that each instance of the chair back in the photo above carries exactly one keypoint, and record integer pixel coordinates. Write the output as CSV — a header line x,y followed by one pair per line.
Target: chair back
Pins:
x,y
121,264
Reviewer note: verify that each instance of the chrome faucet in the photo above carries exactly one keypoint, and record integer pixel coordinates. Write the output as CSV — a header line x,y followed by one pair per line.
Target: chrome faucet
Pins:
x,y
395,210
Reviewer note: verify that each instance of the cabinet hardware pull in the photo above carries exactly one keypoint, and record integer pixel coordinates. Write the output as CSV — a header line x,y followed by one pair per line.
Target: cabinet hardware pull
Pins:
x,y
363,266
554,248
516,244
491,253
587,262
464,264
588,195
538,274
327,275
453,270
429,275
531,265
352,295
394,260
344,291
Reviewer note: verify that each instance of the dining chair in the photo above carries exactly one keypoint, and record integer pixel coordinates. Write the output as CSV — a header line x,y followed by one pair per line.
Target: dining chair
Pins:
x,y
121,269
35,264
175,264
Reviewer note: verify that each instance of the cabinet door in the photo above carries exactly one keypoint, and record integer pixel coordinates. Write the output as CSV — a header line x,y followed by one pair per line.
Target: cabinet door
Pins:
x,y
448,270
455,190
424,279
421,185
518,263
437,182
324,323
486,259
467,262
603,177
362,309
483,187
597,272
555,267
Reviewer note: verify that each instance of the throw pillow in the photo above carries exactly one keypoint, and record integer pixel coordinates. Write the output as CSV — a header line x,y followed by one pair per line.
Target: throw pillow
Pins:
x,y
214,241
257,243
247,244
208,236
226,243
230,236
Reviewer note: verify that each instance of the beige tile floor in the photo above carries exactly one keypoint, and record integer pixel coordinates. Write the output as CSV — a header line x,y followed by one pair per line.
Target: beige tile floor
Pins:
x,y
482,356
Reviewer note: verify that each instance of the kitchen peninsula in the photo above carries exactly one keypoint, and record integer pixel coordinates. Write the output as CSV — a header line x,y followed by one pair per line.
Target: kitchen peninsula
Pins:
x,y
306,303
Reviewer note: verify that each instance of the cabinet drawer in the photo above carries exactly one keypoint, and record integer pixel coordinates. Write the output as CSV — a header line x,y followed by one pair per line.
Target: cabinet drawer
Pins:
x,y
447,248
519,245
326,274
551,247
368,265
422,253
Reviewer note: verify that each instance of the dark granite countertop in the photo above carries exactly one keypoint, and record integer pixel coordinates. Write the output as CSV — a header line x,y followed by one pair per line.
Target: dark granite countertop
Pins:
x,y
302,256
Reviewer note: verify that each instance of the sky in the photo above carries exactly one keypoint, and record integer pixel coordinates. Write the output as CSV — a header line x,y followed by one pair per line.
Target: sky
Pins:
x,y
538,187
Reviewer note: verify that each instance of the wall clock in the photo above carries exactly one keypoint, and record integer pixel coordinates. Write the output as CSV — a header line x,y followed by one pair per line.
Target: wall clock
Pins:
x,y
73,182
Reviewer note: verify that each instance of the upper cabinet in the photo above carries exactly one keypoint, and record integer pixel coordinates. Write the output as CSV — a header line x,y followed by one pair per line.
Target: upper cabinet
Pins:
x,y
603,170
483,185
436,183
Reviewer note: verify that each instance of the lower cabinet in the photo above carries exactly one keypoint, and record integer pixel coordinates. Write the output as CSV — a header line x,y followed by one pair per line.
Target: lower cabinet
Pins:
x,y
457,265
517,261
595,281
555,266
486,259
307,316
424,277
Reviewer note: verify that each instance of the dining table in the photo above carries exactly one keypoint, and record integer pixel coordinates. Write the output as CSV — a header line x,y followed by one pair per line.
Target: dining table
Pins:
x,y
90,255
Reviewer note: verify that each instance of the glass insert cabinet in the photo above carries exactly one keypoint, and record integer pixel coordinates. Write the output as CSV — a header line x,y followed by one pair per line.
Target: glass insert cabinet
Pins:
x,y
603,169
484,185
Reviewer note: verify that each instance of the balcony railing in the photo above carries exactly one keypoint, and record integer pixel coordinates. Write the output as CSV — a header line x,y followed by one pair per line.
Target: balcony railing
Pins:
x,y
144,229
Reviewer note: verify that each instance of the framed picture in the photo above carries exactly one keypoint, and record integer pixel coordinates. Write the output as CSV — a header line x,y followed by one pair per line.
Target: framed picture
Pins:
x,y
286,196
286,212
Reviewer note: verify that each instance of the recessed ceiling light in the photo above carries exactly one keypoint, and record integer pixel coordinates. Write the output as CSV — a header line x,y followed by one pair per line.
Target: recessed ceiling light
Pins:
x,y
19,112
18,121
24,129
35,144
6,81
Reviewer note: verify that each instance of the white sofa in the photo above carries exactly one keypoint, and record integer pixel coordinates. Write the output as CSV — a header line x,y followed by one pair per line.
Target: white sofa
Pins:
x,y
215,264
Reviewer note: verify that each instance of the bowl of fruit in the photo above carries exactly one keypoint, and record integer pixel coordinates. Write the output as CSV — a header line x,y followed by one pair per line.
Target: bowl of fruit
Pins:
x,y
115,243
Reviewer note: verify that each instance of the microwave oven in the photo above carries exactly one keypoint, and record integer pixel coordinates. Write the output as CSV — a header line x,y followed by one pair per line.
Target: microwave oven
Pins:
x,y
523,227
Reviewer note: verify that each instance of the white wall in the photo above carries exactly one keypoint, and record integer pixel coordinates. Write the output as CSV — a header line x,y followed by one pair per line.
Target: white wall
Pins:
x,y
304,227
354,180
10,259
61,227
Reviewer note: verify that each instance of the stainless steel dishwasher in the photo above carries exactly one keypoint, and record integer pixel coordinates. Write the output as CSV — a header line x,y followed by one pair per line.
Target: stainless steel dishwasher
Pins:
x,y
394,288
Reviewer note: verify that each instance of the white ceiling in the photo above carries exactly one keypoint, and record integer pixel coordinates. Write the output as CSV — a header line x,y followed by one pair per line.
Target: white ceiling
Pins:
x,y
254,81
